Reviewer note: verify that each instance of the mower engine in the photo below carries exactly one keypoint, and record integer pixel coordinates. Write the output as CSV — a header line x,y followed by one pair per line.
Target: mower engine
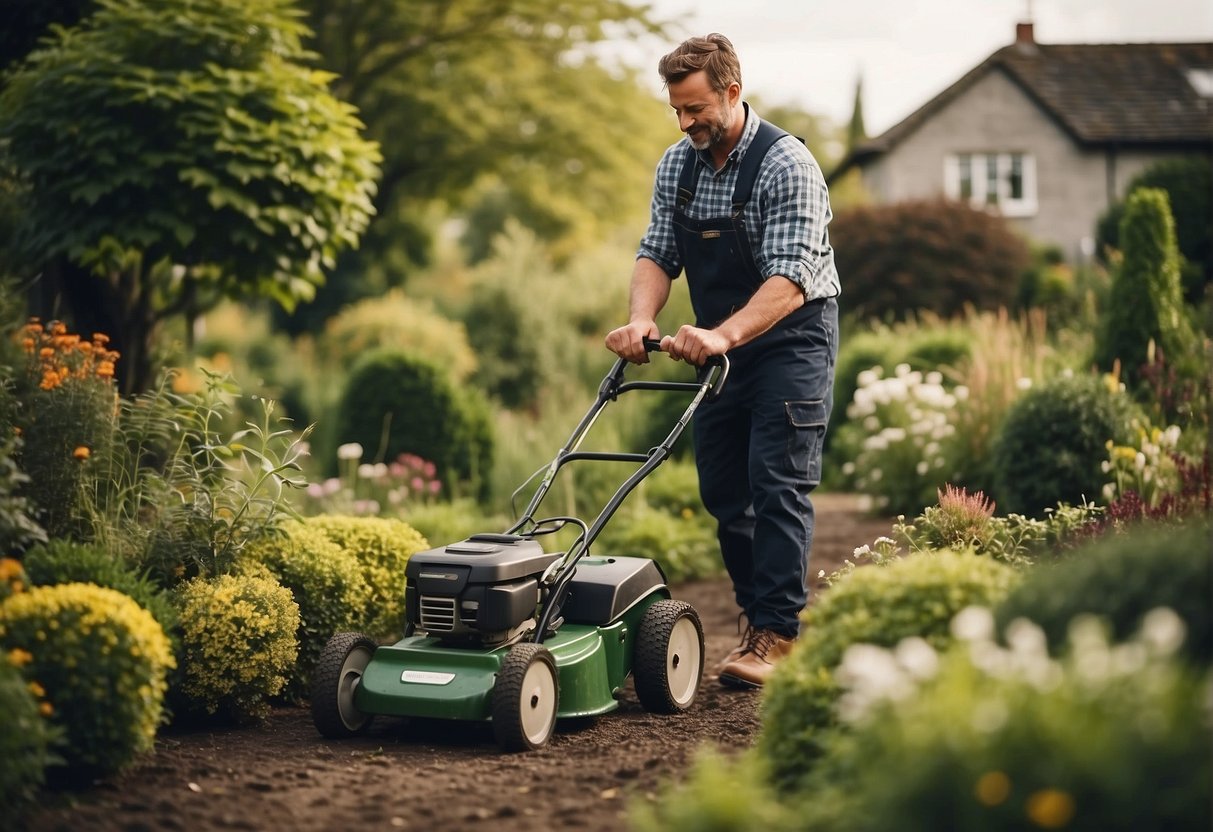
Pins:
x,y
483,590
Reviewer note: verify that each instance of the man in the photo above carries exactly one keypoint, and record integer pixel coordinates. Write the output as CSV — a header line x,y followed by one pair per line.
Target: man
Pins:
x,y
742,207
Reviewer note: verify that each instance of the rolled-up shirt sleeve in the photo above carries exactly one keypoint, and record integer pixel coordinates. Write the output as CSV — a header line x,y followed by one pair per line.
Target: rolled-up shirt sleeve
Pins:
x,y
795,211
658,241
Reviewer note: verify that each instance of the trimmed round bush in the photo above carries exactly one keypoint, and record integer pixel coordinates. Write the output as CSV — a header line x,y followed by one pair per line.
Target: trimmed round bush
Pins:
x,y
932,254
65,562
916,596
238,644
102,661
1121,578
324,579
684,547
396,403
381,546
1050,446
25,741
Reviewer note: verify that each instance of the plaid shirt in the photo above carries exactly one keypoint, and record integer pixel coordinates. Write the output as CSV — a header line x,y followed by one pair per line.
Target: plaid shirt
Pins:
x,y
787,214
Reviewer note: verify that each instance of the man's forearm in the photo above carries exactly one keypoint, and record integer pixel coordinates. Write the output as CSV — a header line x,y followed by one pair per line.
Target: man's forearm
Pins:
x,y
650,290
777,298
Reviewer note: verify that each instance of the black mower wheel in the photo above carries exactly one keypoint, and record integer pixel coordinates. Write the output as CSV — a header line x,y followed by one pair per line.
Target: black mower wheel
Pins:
x,y
336,677
525,698
668,663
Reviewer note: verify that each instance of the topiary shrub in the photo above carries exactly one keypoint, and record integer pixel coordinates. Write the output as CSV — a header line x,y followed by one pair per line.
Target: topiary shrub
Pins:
x,y
102,661
1145,304
1050,447
66,562
936,255
325,581
25,742
238,644
513,363
915,596
397,403
381,547
1189,186
1121,578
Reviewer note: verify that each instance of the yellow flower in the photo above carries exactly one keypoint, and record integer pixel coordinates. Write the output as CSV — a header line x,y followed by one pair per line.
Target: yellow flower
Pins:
x,y
45,708
1050,808
19,658
992,788
37,690
81,453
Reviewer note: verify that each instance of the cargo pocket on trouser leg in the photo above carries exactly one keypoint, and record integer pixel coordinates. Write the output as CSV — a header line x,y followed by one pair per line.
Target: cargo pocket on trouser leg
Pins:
x,y
806,430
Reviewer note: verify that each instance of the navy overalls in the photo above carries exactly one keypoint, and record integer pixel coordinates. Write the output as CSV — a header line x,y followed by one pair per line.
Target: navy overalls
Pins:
x,y
758,447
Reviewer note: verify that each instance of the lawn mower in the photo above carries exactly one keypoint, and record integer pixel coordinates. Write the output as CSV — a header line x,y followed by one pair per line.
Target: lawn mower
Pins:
x,y
499,629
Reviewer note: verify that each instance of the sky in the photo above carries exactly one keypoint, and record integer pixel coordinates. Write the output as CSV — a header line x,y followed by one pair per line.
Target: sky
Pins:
x,y
810,53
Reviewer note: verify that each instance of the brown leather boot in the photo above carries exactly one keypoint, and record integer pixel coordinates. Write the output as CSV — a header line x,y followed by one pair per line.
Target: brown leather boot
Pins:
x,y
736,652
762,652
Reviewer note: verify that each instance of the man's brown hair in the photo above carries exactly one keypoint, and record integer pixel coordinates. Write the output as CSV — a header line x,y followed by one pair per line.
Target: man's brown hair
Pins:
x,y
713,54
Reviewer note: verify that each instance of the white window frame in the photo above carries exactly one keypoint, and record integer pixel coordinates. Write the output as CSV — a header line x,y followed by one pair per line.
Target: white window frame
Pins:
x,y
980,195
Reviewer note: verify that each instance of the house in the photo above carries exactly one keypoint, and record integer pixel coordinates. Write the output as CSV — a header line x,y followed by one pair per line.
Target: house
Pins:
x,y
1049,135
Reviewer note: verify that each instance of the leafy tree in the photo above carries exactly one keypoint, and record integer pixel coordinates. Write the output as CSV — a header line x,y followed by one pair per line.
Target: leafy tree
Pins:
x,y
173,153
497,105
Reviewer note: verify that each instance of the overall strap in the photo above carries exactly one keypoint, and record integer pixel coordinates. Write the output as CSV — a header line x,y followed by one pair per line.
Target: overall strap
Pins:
x,y
766,136
687,179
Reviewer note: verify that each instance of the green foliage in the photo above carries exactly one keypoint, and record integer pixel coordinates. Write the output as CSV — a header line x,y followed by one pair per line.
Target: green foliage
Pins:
x,y
1053,442
684,546
447,522
913,597
513,361
324,578
66,400
198,157
1145,307
1121,578
183,491
238,634
916,255
102,660
381,547
1107,738
66,562
26,741
396,403
674,488
1189,186
18,528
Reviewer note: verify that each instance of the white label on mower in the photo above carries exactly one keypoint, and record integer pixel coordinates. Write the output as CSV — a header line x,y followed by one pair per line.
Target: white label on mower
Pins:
x,y
426,677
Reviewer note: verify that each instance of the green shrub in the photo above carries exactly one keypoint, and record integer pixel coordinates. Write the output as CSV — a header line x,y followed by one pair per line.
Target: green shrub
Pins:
x,y
65,562
397,403
936,255
381,547
1052,444
913,597
513,363
684,547
325,581
1145,307
674,489
25,742
443,523
102,660
1107,739
239,646
66,404
1122,577
1189,186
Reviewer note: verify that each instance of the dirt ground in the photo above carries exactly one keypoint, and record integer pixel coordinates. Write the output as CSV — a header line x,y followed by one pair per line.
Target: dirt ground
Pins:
x,y
430,774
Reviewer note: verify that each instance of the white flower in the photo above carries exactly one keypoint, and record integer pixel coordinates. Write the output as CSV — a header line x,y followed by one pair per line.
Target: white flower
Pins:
x,y
973,624
350,450
1024,383
901,370
917,656
961,393
922,468
867,378
1163,630
366,471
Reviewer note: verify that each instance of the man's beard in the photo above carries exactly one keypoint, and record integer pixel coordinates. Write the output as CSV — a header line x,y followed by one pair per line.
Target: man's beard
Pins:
x,y
717,132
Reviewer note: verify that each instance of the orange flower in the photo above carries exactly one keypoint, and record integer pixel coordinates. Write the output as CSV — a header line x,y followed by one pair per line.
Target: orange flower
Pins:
x,y
46,352
101,338
82,452
19,658
45,708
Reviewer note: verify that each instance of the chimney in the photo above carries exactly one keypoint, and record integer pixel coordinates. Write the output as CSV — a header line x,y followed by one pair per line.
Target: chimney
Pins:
x,y
1023,34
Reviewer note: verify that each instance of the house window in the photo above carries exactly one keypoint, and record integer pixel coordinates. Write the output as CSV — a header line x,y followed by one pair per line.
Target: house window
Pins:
x,y
1005,181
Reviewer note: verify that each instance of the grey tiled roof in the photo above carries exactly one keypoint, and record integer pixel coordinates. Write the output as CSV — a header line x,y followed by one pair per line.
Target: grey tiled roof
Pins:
x,y
1100,94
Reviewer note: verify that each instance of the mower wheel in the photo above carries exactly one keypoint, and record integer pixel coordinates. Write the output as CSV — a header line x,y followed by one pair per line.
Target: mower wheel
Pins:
x,y
668,661
334,681
525,697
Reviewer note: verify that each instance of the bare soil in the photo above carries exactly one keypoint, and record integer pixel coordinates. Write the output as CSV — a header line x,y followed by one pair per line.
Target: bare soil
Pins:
x,y
432,774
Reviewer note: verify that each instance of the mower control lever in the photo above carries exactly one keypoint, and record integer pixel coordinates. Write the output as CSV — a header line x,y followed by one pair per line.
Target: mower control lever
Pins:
x,y
721,361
